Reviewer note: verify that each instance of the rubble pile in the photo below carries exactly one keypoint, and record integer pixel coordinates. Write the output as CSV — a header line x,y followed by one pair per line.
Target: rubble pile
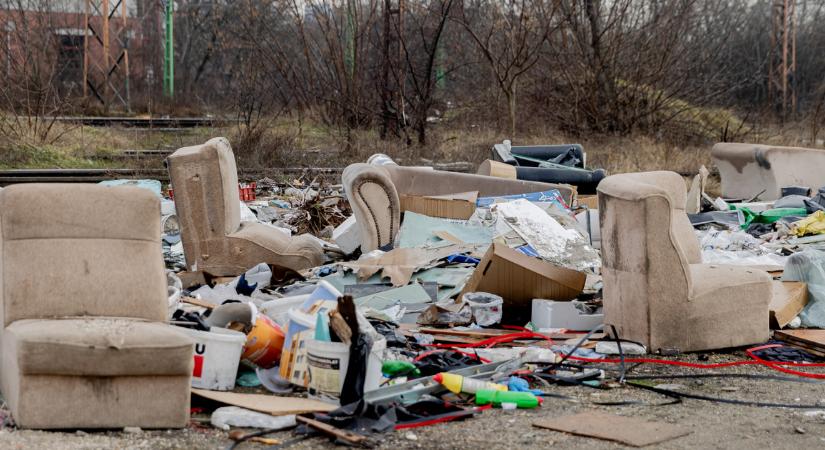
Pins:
x,y
406,297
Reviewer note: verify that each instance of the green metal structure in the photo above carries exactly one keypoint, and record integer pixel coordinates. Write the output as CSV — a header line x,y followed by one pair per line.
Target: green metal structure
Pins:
x,y
169,50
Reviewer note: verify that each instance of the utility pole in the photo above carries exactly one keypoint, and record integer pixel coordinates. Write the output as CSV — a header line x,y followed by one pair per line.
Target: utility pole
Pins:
x,y
169,50
782,58
105,76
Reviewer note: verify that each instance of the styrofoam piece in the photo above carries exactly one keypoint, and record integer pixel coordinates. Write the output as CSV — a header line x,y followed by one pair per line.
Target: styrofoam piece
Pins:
x,y
553,314
246,213
347,236
167,207
591,226
612,348
217,355
233,416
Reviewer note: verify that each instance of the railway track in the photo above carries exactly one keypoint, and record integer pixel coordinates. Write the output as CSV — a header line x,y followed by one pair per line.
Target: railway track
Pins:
x,y
162,123
16,176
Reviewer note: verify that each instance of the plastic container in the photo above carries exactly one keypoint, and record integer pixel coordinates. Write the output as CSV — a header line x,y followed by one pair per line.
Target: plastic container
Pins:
x,y
457,383
328,362
264,343
265,339
217,355
523,400
486,307
300,321
277,309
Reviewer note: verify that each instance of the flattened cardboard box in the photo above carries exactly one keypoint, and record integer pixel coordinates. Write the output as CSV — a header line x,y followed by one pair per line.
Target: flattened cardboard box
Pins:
x,y
787,301
519,278
453,206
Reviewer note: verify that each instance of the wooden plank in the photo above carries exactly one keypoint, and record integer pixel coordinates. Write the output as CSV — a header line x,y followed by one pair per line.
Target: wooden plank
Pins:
x,y
267,404
344,435
610,427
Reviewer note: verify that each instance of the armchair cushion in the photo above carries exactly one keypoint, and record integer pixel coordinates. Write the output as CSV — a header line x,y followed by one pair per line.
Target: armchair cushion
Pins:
x,y
97,347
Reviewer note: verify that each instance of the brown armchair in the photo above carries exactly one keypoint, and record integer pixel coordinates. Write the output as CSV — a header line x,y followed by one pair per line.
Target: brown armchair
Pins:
x,y
82,305
656,289
373,192
205,182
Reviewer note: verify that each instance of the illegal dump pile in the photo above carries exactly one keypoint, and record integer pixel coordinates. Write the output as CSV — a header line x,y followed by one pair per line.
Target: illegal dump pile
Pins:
x,y
438,296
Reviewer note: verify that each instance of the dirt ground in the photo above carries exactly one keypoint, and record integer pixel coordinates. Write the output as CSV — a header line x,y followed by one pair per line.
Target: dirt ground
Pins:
x,y
712,425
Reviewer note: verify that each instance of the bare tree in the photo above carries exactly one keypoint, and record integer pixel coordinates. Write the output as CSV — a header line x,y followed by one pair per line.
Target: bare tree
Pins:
x,y
510,35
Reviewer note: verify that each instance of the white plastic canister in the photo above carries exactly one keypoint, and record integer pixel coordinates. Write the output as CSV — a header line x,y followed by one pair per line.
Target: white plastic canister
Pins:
x,y
217,355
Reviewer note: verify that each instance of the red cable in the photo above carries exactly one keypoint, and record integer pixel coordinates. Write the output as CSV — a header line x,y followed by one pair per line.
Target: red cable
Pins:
x,y
754,361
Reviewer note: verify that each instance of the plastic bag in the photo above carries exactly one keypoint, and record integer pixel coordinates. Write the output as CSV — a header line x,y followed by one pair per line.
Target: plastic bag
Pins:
x,y
809,266
813,224
233,416
486,307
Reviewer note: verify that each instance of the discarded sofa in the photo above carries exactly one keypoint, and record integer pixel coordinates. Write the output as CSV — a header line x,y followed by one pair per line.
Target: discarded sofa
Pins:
x,y
656,289
84,302
373,192
750,169
215,240
563,163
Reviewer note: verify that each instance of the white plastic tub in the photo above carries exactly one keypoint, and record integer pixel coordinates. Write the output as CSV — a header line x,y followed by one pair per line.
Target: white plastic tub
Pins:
x,y
217,355
328,361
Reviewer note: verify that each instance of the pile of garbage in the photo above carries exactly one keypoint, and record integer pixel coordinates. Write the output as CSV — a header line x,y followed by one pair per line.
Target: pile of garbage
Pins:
x,y
477,303
784,236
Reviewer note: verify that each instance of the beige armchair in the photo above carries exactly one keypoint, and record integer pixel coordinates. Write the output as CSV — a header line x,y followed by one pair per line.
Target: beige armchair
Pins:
x,y
656,289
748,169
205,182
83,302
373,192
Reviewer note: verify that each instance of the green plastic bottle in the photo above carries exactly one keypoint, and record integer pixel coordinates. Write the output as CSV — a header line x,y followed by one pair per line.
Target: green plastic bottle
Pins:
x,y
524,400
392,367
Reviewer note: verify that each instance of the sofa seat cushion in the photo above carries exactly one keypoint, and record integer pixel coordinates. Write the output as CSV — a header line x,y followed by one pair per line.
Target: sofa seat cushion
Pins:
x,y
97,347
711,278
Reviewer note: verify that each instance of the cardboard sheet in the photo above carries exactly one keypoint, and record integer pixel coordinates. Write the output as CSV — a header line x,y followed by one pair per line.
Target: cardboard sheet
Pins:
x,y
419,230
519,278
267,404
787,301
627,430
811,340
452,206
399,264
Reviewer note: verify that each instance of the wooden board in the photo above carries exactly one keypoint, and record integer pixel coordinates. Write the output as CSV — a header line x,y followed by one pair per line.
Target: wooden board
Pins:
x,y
267,404
812,341
627,430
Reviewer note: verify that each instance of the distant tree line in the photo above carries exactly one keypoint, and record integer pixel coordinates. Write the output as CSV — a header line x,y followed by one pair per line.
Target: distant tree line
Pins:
x,y
581,66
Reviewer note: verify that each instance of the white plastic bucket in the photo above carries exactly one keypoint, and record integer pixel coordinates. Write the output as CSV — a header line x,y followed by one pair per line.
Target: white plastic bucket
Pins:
x,y
328,362
217,355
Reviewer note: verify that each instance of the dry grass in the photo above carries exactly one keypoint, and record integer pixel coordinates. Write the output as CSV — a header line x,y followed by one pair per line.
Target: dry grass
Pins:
x,y
285,141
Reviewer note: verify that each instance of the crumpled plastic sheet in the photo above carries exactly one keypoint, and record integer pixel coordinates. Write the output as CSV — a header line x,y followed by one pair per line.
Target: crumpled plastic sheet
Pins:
x,y
567,247
813,224
809,266
736,248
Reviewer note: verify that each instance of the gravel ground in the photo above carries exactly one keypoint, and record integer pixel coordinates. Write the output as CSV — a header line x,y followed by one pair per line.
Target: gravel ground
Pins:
x,y
713,425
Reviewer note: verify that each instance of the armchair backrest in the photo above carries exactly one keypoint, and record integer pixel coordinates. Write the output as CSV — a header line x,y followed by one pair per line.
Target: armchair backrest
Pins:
x,y
205,182
80,250
425,181
647,247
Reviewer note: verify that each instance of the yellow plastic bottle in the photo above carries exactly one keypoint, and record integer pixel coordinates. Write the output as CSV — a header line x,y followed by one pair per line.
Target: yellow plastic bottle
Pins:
x,y
457,383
